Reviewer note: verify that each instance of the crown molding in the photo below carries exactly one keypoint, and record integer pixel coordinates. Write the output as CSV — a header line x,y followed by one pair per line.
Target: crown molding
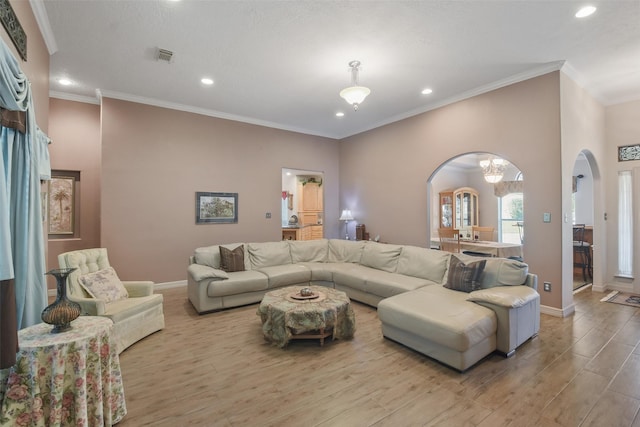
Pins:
x,y
516,78
72,97
40,13
205,112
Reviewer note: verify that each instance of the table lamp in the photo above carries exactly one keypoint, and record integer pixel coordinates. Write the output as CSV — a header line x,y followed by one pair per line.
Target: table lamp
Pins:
x,y
346,217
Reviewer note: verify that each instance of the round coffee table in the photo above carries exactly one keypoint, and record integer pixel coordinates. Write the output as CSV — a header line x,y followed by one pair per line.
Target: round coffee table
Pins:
x,y
286,315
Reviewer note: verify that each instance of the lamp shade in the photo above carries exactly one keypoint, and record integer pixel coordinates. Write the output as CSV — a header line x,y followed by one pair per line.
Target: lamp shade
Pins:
x,y
355,94
346,215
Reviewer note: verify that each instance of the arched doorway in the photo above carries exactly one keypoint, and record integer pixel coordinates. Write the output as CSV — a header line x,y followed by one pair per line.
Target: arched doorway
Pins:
x,y
583,221
500,204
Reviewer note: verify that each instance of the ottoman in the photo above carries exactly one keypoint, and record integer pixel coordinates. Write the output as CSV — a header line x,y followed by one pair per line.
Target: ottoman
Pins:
x,y
440,323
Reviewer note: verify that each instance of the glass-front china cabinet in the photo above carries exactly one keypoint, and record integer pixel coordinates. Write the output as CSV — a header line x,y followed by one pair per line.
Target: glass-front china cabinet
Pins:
x,y
459,208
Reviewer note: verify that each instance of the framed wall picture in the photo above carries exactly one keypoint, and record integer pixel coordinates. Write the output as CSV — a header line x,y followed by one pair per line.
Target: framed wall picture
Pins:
x,y
216,208
61,204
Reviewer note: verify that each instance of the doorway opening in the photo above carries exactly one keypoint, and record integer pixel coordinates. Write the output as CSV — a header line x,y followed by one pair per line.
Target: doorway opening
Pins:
x,y
582,217
302,212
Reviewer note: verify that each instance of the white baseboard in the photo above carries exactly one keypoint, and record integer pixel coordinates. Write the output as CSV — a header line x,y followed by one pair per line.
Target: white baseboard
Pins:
x,y
169,285
557,312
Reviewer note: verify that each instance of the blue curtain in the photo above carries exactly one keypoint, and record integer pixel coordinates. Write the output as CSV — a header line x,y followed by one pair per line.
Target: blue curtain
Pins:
x,y
22,162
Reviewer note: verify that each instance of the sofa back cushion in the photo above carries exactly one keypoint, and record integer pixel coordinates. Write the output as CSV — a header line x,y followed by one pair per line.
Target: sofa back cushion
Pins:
x,y
424,263
345,250
309,250
210,255
381,256
503,272
268,254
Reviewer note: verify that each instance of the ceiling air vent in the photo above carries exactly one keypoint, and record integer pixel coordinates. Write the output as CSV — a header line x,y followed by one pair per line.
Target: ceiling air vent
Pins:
x,y
164,55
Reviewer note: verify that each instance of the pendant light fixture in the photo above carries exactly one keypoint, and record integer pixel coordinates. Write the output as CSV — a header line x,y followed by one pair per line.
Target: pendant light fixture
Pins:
x,y
355,93
493,169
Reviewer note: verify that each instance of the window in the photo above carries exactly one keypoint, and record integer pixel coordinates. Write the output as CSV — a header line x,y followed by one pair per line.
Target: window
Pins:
x,y
625,224
511,214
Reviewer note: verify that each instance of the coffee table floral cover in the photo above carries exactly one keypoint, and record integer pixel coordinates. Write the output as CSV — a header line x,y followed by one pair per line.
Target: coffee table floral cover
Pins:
x,y
283,316
69,378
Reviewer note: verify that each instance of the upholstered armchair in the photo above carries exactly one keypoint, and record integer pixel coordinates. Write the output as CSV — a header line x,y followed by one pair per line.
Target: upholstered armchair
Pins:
x,y
134,316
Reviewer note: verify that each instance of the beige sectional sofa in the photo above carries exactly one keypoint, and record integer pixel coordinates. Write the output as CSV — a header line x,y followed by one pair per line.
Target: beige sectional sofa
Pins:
x,y
404,282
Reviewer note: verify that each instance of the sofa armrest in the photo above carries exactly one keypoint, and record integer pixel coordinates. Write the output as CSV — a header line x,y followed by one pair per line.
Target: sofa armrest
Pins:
x,y
200,272
139,288
517,310
505,296
90,306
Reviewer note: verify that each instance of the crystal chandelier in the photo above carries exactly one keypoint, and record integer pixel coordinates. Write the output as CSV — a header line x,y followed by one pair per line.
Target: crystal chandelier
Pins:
x,y
493,169
355,94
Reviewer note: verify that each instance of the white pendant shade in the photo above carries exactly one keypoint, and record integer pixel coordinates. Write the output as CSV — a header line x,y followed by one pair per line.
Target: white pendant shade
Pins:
x,y
355,94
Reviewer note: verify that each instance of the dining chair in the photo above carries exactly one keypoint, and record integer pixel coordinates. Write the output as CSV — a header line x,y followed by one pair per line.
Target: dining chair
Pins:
x,y
449,239
582,251
520,226
484,233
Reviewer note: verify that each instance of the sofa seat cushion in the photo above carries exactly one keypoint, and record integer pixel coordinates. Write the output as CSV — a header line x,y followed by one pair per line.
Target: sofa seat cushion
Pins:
x,y
126,308
320,271
351,275
285,275
239,282
445,317
386,285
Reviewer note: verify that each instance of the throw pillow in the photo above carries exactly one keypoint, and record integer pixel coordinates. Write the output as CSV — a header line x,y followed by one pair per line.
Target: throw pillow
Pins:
x,y
232,259
104,284
464,277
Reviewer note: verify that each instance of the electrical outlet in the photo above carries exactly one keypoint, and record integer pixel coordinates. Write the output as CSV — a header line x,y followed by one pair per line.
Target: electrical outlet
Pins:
x,y
267,215
547,286
546,217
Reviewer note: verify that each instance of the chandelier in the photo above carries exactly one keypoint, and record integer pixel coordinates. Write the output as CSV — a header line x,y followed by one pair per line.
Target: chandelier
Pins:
x,y
355,94
493,169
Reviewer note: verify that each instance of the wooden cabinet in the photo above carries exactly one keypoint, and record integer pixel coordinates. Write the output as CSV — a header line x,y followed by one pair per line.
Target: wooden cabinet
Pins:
x,y
465,202
459,208
311,197
290,234
310,203
317,232
446,209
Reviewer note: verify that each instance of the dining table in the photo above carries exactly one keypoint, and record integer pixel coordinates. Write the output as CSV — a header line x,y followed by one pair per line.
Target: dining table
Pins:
x,y
496,249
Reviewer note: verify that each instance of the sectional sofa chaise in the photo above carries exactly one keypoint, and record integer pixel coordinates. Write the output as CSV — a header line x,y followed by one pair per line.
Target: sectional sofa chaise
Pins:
x,y
410,286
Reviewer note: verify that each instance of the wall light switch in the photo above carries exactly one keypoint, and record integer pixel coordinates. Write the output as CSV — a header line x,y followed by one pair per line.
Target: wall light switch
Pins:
x,y
267,215
546,217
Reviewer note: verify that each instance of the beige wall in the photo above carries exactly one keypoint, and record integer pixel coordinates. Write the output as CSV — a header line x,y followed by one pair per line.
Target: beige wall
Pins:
x,y
384,173
75,131
154,160
583,130
623,128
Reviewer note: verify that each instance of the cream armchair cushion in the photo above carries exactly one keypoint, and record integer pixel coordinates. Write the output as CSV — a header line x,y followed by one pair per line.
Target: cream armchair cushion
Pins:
x,y
134,318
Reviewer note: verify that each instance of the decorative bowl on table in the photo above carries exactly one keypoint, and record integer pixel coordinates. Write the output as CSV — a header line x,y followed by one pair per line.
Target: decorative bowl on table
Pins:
x,y
304,293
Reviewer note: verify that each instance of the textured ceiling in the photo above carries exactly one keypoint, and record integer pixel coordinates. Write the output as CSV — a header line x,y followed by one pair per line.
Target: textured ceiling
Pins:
x,y
282,63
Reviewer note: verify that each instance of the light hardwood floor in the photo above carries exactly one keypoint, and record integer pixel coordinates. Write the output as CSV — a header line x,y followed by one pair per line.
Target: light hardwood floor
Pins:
x,y
217,370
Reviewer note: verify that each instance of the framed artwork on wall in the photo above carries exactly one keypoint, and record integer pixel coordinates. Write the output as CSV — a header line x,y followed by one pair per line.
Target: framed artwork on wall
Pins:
x,y
61,204
216,208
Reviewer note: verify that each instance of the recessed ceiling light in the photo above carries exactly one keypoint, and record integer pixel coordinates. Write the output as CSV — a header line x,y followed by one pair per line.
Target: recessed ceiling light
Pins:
x,y
427,91
585,11
65,82
339,114
206,81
